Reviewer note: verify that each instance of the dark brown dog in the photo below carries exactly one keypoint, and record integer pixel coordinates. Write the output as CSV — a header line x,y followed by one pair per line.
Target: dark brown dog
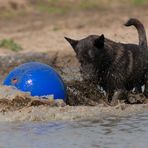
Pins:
x,y
116,67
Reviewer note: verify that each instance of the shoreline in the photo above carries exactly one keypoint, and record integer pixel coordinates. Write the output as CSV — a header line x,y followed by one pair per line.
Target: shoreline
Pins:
x,y
71,113
19,106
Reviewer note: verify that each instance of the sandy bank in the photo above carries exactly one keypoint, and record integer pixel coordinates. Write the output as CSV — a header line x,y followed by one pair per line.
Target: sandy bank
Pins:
x,y
19,106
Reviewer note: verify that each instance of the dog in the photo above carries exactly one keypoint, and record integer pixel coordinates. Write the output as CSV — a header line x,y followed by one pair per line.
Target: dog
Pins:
x,y
116,67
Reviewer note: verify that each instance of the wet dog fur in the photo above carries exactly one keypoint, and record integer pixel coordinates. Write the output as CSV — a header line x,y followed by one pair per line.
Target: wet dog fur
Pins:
x,y
117,67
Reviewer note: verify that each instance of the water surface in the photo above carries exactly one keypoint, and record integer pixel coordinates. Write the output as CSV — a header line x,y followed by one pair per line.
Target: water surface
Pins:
x,y
112,132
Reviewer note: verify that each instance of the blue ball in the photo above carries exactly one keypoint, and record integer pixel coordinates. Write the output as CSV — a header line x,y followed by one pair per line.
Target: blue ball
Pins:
x,y
38,78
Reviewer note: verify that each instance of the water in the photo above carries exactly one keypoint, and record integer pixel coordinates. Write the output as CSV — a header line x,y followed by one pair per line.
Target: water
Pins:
x,y
105,128
112,132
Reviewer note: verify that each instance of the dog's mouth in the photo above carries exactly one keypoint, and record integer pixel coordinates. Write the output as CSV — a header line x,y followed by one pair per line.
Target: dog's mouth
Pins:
x,y
89,73
92,78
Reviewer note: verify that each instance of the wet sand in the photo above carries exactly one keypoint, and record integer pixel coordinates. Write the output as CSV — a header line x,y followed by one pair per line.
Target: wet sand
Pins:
x,y
20,106
70,113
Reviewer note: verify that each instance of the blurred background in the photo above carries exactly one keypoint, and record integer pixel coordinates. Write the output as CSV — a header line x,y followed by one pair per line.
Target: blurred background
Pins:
x,y
40,25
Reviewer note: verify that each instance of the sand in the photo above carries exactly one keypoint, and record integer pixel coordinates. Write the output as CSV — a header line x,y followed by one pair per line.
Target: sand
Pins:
x,y
20,106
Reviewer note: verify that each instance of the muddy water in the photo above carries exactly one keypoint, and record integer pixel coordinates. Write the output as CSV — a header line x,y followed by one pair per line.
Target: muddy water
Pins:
x,y
121,132
24,124
41,126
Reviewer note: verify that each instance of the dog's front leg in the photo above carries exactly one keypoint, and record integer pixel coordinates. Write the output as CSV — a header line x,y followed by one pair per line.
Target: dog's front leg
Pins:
x,y
116,96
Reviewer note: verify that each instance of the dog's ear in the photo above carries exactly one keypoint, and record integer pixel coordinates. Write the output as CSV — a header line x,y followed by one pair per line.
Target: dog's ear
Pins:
x,y
99,42
72,42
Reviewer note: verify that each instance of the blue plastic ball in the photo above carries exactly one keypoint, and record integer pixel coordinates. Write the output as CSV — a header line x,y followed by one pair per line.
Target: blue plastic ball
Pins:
x,y
37,78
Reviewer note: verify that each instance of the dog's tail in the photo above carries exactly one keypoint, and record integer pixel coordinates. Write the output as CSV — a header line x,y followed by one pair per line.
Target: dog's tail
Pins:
x,y
141,31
